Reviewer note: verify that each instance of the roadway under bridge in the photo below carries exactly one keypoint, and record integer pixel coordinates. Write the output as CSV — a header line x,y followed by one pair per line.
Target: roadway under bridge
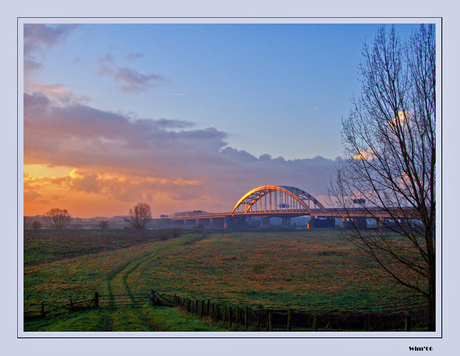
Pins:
x,y
284,203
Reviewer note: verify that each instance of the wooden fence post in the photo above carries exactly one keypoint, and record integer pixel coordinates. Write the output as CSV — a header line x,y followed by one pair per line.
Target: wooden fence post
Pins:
x,y
96,300
407,323
246,312
237,314
202,308
229,318
269,321
43,309
289,320
315,322
225,314
207,308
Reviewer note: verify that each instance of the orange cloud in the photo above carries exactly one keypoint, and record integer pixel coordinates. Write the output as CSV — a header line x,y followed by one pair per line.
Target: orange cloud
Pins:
x,y
93,194
365,155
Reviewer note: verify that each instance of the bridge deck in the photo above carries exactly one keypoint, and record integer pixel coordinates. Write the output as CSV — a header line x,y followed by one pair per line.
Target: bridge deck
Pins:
x,y
332,213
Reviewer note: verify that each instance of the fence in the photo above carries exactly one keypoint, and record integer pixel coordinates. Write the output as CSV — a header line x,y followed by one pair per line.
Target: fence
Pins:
x,y
43,309
289,320
237,317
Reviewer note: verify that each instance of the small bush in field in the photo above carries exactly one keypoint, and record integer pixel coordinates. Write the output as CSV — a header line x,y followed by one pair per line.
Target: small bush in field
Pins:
x,y
103,224
36,225
177,232
165,234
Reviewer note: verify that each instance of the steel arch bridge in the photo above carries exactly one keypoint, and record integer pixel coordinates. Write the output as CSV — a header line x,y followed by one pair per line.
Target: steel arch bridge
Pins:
x,y
273,199
286,202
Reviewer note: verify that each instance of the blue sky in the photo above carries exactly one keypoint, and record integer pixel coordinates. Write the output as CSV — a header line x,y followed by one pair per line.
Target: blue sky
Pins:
x,y
234,105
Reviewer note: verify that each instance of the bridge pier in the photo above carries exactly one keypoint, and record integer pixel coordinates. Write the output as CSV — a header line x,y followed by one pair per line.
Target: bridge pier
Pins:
x,y
265,222
235,222
380,223
216,223
315,222
358,222
190,222
286,221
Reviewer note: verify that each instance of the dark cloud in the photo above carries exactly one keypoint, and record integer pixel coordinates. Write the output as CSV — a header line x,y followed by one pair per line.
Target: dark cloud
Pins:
x,y
78,132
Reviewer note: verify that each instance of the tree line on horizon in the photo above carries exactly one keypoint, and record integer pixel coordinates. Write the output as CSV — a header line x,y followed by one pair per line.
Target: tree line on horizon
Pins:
x,y
138,218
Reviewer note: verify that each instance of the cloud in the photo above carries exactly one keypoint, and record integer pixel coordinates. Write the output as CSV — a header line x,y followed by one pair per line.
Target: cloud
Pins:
x,y
131,81
174,164
77,134
39,36
32,196
133,56
128,80
30,66
367,155
57,92
402,118
106,64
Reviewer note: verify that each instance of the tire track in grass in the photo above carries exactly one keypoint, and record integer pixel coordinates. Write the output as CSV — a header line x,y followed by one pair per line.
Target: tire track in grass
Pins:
x,y
110,277
134,267
118,280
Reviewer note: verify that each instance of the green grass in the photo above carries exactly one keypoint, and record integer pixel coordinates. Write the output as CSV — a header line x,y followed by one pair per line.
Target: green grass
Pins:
x,y
94,320
124,319
43,246
310,270
172,319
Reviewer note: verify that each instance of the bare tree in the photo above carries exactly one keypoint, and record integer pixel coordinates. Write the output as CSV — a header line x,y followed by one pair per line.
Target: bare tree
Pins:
x,y
57,218
390,159
140,217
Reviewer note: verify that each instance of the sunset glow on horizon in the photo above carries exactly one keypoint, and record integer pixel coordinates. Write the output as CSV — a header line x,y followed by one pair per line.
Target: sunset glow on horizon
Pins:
x,y
182,116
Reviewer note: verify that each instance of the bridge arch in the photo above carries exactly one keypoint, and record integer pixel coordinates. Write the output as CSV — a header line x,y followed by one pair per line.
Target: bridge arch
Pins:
x,y
277,199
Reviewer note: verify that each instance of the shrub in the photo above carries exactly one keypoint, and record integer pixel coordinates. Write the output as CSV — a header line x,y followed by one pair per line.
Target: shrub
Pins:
x,y
36,225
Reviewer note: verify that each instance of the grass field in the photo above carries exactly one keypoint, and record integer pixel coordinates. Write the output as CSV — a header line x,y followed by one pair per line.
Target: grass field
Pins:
x,y
308,270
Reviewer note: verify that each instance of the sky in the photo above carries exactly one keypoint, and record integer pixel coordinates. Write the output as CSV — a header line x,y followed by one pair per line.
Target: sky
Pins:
x,y
183,116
